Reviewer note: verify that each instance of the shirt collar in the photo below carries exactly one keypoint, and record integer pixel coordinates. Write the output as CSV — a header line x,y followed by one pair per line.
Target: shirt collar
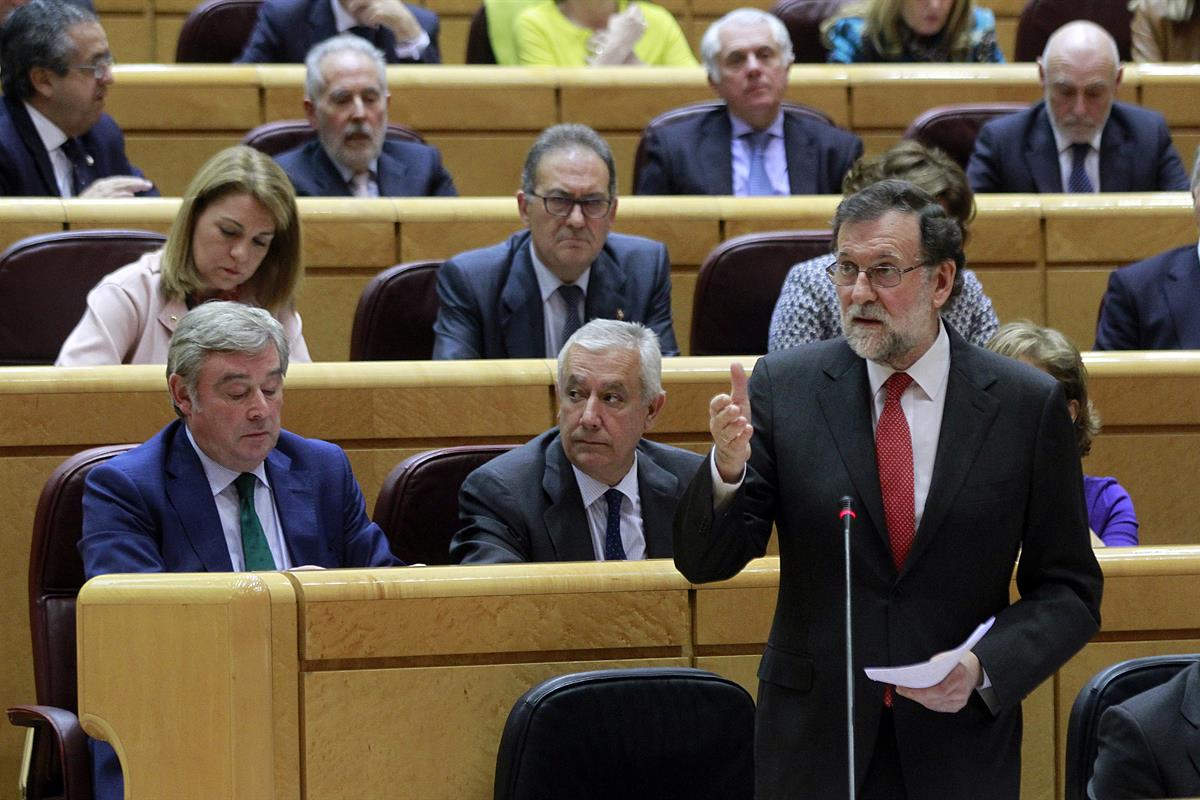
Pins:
x,y
1063,143
347,173
51,135
741,127
592,489
548,282
219,476
342,18
930,372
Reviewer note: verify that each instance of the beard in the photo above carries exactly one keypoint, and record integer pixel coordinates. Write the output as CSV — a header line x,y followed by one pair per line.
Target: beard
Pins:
x,y
359,156
893,340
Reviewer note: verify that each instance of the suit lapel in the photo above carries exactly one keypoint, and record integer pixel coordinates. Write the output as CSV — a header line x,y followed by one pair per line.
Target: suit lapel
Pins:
x,y
296,507
521,320
658,491
606,289
1117,154
1181,290
1041,154
329,180
33,143
803,155
713,156
566,522
191,497
321,24
393,176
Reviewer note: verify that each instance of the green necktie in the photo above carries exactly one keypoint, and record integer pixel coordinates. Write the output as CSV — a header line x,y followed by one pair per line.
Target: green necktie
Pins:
x,y
254,542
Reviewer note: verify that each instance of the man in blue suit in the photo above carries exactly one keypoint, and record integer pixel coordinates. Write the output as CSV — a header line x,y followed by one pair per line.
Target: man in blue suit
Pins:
x,y
55,139
1077,139
287,29
346,100
1155,304
524,298
224,488
751,145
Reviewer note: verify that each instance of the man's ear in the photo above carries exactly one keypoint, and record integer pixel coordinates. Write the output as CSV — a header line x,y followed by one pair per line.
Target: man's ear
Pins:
x,y
656,407
40,78
179,395
310,113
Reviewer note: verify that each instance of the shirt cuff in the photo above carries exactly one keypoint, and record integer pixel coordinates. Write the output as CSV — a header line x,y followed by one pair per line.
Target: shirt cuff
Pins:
x,y
415,48
722,492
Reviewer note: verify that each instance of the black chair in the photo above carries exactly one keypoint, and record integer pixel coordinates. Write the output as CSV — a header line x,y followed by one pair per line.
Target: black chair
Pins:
x,y
216,31
667,732
274,138
738,285
395,314
1040,18
954,128
479,41
44,282
803,19
1109,687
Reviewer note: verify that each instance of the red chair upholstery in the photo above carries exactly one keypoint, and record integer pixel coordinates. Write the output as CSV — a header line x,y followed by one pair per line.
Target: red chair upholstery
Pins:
x,y
479,42
1040,18
274,138
60,766
417,505
395,314
803,20
44,281
704,107
216,31
953,128
738,285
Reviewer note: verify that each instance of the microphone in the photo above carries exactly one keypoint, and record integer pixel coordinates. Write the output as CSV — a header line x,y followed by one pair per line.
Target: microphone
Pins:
x,y
847,516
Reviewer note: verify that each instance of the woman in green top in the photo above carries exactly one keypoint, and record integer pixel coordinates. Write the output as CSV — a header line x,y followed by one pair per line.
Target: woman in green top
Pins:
x,y
577,33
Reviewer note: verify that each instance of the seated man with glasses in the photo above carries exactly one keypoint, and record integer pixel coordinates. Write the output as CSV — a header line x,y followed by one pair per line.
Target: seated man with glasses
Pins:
x,y
55,139
524,298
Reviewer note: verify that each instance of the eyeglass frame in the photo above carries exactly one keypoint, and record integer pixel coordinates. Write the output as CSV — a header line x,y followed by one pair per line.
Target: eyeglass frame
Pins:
x,y
872,273
102,67
574,201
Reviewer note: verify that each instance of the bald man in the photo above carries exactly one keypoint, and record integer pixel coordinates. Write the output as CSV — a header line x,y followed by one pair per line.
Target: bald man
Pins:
x,y
1077,139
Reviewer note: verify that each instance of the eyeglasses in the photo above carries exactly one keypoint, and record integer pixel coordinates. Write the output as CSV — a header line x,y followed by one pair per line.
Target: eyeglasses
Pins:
x,y
101,68
559,206
885,276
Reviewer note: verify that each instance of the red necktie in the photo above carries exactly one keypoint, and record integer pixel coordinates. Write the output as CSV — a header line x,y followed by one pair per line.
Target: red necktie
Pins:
x,y
894,459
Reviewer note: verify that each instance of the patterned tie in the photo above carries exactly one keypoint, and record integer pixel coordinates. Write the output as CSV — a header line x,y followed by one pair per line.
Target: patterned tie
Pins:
x,y
758,183
894,459
571,296
1079,180
255,551
613,549
81,170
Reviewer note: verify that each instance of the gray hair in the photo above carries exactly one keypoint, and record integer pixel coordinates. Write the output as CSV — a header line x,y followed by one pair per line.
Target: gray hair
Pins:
x,y
710,43
314,77
37,34
222,326
601,335
566,137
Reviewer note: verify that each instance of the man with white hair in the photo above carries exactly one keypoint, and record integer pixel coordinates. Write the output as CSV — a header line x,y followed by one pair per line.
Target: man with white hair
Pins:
x,y
1077,139
346,100
752,145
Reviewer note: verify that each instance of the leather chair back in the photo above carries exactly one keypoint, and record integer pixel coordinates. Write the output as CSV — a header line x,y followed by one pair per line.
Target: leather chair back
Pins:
x,y
953,128
44,281
803,20
1109,687
704,107
738,285
395,314
655,732
479,43
417,505
216,31
274,138
1040,18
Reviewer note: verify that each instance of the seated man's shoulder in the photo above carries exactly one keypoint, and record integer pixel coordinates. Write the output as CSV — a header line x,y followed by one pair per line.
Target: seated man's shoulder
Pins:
x,y
411,151
285,10
1137,114
630,244
300,448
682,463
1151,271
1162,702
492,257
521,466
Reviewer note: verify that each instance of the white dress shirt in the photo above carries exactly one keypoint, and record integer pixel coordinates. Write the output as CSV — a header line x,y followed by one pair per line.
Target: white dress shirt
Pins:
x,y
633,538
53,139
774,157
1066,159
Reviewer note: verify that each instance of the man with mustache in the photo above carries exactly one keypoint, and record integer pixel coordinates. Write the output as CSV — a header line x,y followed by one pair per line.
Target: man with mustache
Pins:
x,y
55,139
751,145
1077,139
592,488
955,461
346,100
524,298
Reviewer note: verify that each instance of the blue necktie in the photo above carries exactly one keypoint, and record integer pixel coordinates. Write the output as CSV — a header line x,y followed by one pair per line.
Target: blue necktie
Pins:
x,y
81,170
758,182
613,549
255,551
1079,180
572,296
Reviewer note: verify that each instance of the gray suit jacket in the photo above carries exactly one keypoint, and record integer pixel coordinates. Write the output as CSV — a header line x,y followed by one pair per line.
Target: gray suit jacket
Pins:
x,y
1006,478
490,305
507,519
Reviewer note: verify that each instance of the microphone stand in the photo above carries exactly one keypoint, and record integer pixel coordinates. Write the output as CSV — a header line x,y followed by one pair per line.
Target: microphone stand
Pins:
x,y
847,516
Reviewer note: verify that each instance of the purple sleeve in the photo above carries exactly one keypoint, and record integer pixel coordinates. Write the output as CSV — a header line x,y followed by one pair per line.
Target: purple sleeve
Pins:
x,y
1110,512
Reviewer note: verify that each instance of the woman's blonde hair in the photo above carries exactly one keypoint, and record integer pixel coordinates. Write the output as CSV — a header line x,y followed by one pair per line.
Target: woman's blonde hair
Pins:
x,y
239,170
885,29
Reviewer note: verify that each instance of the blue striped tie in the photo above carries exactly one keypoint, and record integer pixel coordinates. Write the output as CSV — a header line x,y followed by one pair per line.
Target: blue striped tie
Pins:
x,y
571,296
758,182
1079,182
614,550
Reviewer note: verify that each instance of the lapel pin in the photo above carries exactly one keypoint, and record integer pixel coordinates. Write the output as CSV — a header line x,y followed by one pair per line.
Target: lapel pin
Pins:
x,y
620,315
91,162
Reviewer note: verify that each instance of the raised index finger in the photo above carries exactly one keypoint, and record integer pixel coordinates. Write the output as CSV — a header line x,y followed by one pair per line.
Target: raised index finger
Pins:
x,y
737,387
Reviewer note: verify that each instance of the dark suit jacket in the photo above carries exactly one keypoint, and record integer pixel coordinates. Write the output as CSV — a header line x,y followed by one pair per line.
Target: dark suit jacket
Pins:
x,y
1006,477
1017,153
491,306
287,29
507,519
406,169
692,156
25,169
1153,304
1150,744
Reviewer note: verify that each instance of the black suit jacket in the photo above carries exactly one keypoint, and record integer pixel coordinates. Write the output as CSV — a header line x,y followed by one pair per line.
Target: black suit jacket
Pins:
x,y
1017,153
1150,744
1153,304
692,156
506,518
287,29
406,169
25,169
1006,478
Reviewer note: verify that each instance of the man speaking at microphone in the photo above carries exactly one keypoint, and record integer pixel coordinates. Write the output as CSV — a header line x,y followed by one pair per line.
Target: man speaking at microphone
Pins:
x,y
958,462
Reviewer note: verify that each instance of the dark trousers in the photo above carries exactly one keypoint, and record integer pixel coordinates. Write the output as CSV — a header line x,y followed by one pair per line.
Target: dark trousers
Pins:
x,y
885,777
